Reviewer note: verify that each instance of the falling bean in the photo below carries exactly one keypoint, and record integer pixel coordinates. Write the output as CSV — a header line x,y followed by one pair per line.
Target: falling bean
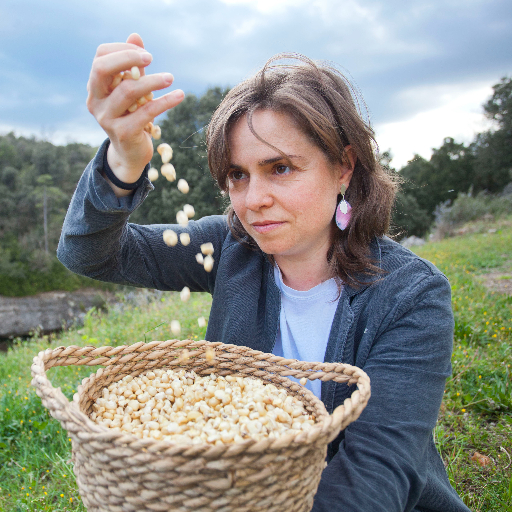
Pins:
x,y
184,356
182,219
183,186
185,294
189,210
207,248
166,155
153,174
156,132
168,171
209,354
175,327
184,238
170,237
208,263
161,147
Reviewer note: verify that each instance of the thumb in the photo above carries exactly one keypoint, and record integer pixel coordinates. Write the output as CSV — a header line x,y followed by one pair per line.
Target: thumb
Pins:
x,y
135,39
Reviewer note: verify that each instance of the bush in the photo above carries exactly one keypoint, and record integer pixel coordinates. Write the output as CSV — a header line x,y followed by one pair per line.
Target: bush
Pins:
x,y
20,278
408,219
449,217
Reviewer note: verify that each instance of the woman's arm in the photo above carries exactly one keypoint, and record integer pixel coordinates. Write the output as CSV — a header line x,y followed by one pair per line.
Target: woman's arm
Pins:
x,y
383,460
97,240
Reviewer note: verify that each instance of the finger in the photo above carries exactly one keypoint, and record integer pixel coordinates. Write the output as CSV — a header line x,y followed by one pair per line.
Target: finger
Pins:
x,y
106,48
105,68
160,105
128,91
136,121
136,40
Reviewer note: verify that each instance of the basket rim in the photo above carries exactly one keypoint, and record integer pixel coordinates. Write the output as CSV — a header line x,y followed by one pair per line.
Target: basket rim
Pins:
x,y
140,357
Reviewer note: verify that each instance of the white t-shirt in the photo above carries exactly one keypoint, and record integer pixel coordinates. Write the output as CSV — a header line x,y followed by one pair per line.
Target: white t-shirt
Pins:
x,y
305,323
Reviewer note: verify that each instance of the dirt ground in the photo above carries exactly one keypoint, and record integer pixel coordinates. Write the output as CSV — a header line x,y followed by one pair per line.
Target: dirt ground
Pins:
x,y
499,279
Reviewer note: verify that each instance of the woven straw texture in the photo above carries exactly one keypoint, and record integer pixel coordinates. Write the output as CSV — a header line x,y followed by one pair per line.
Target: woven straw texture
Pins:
x,y
119,472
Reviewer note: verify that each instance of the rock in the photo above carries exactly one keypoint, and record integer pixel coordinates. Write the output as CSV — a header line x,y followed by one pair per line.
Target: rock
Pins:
x,y
47,312
412,241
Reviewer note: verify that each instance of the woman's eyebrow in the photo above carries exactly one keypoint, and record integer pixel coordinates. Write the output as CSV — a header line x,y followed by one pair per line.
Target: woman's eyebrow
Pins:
x,y
275,159
267,161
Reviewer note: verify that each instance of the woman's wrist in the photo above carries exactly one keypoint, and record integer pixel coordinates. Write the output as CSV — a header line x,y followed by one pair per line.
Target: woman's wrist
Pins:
x,y
121,185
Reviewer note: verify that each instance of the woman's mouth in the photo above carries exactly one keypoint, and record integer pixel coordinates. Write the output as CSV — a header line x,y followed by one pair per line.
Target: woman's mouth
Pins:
x,y
266,226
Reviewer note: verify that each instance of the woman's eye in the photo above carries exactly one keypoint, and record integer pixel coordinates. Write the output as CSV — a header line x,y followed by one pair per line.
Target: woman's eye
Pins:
x,y
282,169
236,175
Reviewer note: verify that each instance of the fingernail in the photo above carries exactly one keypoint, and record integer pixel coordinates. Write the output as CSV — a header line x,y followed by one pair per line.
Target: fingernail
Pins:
x,y
168,78
178,94
147,57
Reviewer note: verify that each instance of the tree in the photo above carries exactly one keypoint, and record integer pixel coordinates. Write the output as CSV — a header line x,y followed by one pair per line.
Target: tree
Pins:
x,y
418,181
184,130
449,171
493,149
454,170
407,218
34,173
499,106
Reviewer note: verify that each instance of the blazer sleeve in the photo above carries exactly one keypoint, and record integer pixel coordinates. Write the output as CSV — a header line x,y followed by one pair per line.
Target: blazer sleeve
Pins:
x,y
97,240
381,464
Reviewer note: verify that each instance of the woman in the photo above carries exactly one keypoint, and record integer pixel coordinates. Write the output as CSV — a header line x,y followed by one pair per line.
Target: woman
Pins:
x,y
287,277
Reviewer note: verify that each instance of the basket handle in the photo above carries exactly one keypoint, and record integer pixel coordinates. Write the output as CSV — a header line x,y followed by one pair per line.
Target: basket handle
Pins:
x,y
66,412
350,410
346,413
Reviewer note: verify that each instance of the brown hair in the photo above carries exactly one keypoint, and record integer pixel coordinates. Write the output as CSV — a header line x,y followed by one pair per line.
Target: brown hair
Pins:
x,y
321,101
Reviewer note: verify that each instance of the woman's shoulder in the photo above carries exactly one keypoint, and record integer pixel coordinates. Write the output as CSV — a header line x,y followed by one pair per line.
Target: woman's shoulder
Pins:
x,y
404,274
408,285
393,257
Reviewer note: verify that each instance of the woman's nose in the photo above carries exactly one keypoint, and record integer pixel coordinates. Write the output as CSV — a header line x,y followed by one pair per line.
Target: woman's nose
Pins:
x,y
259,194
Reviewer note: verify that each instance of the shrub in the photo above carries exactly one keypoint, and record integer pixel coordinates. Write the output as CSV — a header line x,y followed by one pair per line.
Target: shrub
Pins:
x,y
449,217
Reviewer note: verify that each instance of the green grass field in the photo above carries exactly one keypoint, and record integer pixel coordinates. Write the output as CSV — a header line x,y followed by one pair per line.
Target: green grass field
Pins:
x,y
476,416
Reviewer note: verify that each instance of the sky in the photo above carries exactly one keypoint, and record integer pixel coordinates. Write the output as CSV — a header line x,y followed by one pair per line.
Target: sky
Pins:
x,y
424,68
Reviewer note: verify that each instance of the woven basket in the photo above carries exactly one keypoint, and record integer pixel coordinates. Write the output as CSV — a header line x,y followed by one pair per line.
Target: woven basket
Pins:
x,y
119,472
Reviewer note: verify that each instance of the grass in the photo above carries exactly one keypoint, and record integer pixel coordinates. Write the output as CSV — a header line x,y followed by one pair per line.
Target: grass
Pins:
x,y
36,473
476,415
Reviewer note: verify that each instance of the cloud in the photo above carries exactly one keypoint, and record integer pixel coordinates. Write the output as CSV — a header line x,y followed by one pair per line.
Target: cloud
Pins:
x,y
403,56
459,116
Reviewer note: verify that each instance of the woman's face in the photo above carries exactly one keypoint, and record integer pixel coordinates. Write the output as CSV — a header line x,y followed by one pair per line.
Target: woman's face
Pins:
x,y
285,205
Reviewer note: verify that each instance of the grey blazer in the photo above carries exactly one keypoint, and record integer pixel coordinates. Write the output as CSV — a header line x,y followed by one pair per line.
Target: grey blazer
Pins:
x,y
398,329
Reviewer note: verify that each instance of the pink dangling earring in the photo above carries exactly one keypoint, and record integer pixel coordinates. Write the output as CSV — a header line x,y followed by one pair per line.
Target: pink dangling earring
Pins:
x,y
343,210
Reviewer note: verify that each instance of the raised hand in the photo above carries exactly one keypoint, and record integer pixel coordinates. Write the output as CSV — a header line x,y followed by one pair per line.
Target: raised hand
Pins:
x,y
131,147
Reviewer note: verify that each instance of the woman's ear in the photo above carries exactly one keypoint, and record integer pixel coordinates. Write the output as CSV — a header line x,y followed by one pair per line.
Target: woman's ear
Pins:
x,y
348,165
